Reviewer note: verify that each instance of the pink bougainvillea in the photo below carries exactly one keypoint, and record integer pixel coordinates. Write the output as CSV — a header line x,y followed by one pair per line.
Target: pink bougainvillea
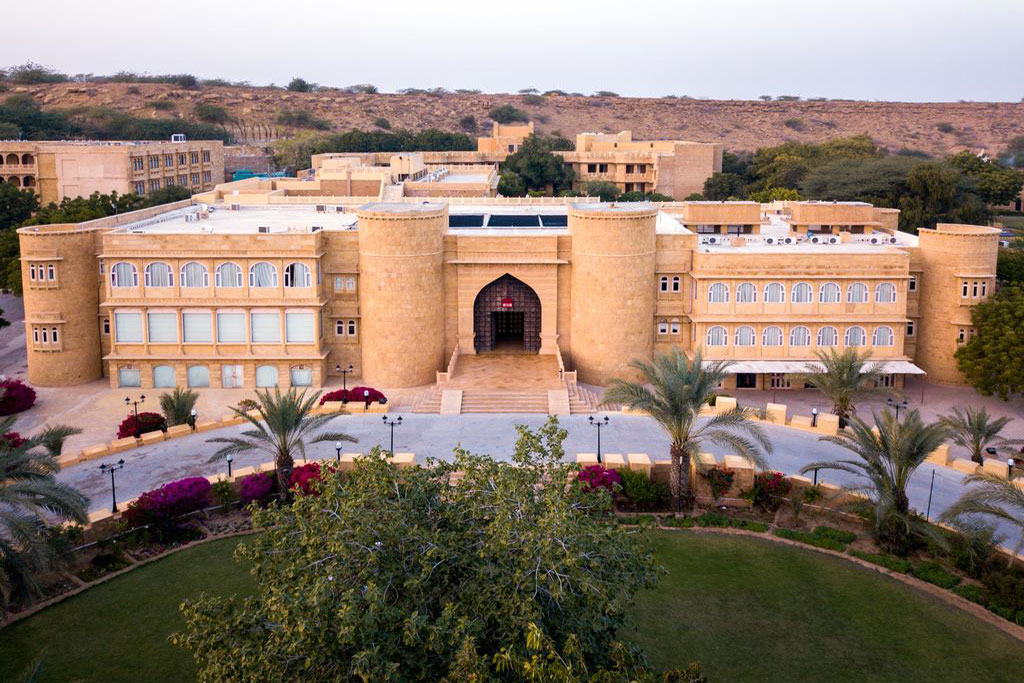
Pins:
x,y
148,422
304,476
170,501
15,396
12,439
257,487
597,477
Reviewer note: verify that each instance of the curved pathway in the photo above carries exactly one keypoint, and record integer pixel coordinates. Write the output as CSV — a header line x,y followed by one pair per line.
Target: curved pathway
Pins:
x,y
436,436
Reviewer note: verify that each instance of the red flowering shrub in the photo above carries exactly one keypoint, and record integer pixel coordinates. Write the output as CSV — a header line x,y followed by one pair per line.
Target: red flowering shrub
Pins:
x,y
597,477
257,487
769,490
15,396
359,395
163,505
336,395
148,422
720,480
304,476
13,439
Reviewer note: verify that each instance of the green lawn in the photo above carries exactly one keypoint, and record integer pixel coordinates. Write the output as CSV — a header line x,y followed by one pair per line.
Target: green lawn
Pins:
x,y
753,610
749,610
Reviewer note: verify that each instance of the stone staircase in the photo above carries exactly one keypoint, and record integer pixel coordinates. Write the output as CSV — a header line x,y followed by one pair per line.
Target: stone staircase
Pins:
x,y
428,401
504,401
582,400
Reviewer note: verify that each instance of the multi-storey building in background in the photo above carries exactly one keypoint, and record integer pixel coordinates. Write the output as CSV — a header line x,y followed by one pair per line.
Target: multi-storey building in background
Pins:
x,y
55,170
250,287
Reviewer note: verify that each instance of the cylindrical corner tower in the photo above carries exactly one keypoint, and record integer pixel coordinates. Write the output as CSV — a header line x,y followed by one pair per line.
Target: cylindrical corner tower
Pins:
x,y
59,274
401,301
613,291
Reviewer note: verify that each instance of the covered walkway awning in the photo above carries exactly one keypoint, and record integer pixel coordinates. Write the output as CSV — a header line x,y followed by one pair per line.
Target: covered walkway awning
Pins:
x,y
766,367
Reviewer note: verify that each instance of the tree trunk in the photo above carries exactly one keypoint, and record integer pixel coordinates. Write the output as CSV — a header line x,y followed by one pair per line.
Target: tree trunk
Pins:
x,y
679,479
284,465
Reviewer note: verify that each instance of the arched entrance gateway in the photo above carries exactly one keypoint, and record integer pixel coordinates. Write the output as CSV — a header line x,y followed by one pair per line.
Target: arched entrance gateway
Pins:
x,y
506,317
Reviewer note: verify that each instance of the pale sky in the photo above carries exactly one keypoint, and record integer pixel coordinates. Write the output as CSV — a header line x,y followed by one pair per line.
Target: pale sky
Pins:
x,y
913,50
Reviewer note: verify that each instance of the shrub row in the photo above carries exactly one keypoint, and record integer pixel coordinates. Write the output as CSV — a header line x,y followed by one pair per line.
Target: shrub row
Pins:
x,y
932,572
888,561
810,539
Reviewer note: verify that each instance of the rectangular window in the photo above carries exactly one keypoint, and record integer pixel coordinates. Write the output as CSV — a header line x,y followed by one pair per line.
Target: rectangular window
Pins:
x,y
53,335
910,328
35,335
602,168
32,272
168,160
106,326
194,178
129,377
206,156
629,168
163,327
197,327
591,168
183,180
961,336
266,327
299,327
138,164
154,185
128,328
964,291
301,377
154,162
169,181
207,176
193,157
181,159
339,328
984,287
231,328
912,284
675,328
974,290
51,274
339,284
140,187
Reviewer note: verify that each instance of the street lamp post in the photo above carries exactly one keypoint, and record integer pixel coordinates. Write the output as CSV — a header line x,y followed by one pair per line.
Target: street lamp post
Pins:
x,y
599,424
897,404
814,417
113,491
392,424
192,414
344,375
135,406
337,451
230,458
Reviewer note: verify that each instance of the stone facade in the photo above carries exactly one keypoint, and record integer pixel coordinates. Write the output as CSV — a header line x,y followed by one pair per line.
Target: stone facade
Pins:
x,y
215,294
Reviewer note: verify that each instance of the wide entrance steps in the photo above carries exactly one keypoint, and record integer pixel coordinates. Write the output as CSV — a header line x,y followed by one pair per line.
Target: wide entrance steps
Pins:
x,y
582,400
504,401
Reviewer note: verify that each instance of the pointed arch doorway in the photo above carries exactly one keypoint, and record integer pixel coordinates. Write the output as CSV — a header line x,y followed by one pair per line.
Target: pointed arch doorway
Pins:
x,y
506,317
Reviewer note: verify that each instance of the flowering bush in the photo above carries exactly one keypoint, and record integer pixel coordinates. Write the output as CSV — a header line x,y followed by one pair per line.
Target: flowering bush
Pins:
x,y
597,477
12,439
359,394
148,422
304,476
165,504
15,396
768,491
257,487
720,480
336,395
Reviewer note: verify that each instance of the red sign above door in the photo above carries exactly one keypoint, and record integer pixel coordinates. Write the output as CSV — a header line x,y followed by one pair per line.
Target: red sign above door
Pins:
x,y
506,302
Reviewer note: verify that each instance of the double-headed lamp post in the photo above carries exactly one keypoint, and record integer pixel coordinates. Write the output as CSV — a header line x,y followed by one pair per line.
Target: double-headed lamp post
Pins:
x,y
599,423
392,424
897,404
135,406
104,468
344,375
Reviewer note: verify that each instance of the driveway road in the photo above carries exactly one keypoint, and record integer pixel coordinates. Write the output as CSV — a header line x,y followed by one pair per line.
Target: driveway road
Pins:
x,y
436,436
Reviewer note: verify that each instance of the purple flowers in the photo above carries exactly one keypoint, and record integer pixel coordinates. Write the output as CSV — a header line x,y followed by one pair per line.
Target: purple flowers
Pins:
x,y
170,501
15,396
597,477
256,487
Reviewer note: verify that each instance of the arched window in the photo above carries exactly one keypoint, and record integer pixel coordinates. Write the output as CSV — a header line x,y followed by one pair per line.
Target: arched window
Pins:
x,y
158,275
802,293
718,293
855,336
662,327
774,293
266,376
163,376
883,336
830,293
124,275
228,275
745,336
746,293
828,336
664,283
885,293
857,293
772,336
198,376
297,275
262,274
717,336
194,275
675,283
301,376
800,336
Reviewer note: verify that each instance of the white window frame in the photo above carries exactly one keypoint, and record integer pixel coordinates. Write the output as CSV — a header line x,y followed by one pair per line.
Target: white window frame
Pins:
x,y
891,336
806,336
802,287
781,288
880,287
847,336
721,289
219,275
303,270
252,275
857,287
147,274
114,279
717,332
751,335
675,283
776,331
828,329
204,278
748,287
830,286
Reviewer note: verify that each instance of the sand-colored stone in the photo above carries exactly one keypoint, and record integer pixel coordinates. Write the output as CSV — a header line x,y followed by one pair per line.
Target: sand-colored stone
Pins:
x,y
122,445
724,404
640,462
614,461
178,430
940,456
153,437
776,413
964,465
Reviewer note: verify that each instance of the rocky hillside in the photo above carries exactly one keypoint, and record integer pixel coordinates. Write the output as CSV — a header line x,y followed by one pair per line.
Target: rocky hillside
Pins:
x,y
935,128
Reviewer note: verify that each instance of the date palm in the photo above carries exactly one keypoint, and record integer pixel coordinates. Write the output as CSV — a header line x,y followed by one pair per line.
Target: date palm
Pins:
x,y
673,391
177,405
991,496
975,430
845,377
888,455
282,427
31,502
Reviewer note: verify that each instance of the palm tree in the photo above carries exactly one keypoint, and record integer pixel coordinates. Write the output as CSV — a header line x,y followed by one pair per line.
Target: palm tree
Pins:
x,y
845,377
177,406
992,496
673,392
888,456
31,501
975,430
280,429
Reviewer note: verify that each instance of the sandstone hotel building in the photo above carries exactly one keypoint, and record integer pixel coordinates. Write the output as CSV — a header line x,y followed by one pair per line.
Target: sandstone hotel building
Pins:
x,y
236,288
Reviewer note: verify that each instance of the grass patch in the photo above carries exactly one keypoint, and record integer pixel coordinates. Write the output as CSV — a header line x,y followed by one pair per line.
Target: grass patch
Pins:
x,y
835,534
934,573
888,561
810,539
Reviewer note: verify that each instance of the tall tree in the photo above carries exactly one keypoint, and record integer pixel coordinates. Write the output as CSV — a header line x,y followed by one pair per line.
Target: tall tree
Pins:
x,y
723,186
994,183
31,502
993,359
383,574
282,427
888,456
16,205
845,377
538,166
673,391
976,430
